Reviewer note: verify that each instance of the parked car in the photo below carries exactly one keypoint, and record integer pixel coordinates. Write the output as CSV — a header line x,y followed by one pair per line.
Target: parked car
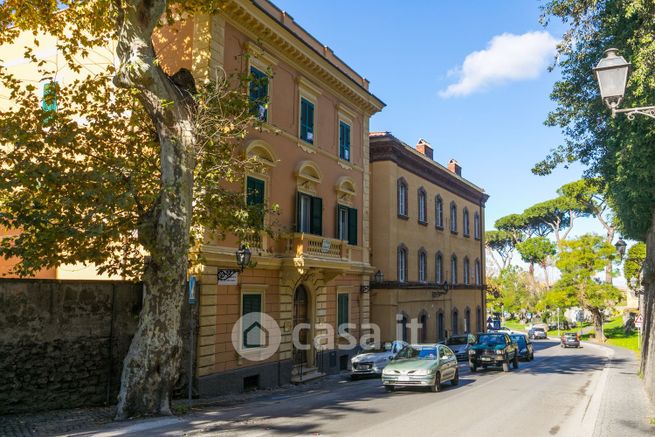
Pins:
x,y
373,360
459,344
421,365
570,339
526,350
537,333
493,349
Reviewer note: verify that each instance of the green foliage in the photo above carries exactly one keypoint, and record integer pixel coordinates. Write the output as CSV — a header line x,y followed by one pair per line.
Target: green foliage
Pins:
x,y
536,250
633,265
500,242
515,225
618,150
579,261
511,290
82,183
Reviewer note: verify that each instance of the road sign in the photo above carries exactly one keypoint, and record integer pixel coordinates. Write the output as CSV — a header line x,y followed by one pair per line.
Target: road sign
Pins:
x,y
192,290
639,321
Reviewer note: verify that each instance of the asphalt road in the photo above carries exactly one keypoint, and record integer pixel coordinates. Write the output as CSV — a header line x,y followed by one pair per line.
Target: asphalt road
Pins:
x,y
560,393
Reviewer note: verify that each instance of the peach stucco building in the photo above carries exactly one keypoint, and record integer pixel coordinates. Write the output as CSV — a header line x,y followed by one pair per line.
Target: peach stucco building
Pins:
x,y
314,143
432,220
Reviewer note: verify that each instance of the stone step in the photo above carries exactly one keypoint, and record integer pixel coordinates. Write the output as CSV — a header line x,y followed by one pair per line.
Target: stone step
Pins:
x,y
306,376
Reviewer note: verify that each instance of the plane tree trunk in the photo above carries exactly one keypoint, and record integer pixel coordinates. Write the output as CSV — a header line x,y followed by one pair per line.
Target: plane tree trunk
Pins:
x,y
152,364
648,311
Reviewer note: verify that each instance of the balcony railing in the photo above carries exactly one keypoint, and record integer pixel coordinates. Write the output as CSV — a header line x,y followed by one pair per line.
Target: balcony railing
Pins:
x,y
315,246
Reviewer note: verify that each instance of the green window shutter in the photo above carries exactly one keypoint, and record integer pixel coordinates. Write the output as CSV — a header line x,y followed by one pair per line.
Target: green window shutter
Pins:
x,y
344,141
298,213
255,189
352,226
316,219
304,116
251,303
258,93
310,122
49,101
343,316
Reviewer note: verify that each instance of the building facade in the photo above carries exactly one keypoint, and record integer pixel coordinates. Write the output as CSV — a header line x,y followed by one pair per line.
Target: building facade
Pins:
x,y
427,241
314,144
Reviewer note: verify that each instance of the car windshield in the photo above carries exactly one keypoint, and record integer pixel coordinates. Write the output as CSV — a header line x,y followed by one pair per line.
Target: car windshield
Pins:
x,y
418,352
452,341
373,348
491,340
519,339
539,329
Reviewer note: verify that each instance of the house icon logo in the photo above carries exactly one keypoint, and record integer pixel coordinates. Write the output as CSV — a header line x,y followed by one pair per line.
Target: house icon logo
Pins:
x,y
256,336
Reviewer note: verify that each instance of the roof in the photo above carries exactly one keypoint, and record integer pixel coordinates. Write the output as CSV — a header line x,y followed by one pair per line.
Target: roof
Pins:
x,y
386,147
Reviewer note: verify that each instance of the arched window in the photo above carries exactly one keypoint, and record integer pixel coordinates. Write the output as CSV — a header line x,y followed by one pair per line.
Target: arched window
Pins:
x,y
467,320
478,319
438,268
423,328
438,212
476,225
478,272
440,326
402,263
453,269
466,230
402,197
454,323
466,270
422,266
422,206
453,217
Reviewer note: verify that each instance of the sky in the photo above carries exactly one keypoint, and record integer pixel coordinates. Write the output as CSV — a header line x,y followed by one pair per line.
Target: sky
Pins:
x,y
471,77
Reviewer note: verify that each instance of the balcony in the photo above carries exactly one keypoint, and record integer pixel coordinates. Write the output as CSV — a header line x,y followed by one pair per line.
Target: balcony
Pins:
x,y
301,245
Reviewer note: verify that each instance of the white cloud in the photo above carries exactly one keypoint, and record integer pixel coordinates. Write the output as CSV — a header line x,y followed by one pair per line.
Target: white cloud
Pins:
x,y
507,58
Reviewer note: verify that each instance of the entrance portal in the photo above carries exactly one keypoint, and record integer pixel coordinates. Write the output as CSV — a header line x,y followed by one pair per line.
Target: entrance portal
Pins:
x,y
300,315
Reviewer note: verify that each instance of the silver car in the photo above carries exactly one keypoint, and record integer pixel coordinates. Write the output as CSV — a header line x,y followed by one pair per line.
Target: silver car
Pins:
x,y
373,360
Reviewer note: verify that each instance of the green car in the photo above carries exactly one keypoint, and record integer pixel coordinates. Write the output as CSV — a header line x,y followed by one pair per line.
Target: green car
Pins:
x,y
493,349
423,365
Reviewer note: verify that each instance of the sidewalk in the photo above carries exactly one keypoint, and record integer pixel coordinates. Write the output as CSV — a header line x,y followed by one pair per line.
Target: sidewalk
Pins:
x,y
624,409
89,421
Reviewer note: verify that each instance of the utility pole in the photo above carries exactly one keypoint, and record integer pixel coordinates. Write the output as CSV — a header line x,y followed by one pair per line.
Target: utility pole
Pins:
x,y
558,322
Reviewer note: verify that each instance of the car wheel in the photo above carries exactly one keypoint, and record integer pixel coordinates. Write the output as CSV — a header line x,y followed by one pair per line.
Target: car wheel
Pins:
x,y
455,379
354,377
515,363
389,388
506,366
437,383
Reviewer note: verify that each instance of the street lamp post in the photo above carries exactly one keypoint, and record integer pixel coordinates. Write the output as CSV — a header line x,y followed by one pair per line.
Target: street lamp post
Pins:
x,y
612,76
620,247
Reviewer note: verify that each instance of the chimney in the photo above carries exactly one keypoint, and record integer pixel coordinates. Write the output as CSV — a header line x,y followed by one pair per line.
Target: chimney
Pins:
x,y
424,148
455,167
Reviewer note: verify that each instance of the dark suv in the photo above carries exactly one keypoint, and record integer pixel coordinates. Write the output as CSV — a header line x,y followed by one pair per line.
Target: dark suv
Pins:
x,y
493,349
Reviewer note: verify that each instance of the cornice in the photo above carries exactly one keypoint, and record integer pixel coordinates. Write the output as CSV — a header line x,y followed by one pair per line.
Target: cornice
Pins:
x,y
258,24
389,148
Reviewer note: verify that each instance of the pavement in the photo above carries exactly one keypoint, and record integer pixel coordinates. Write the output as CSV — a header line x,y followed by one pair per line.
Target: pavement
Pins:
x,y
591,391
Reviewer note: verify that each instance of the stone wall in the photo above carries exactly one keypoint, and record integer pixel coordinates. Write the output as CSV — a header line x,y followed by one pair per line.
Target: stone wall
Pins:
x,y
62,343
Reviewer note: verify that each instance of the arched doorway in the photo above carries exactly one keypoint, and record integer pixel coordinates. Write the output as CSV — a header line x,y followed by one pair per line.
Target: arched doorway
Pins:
x,y
440,327
301,315
423,329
